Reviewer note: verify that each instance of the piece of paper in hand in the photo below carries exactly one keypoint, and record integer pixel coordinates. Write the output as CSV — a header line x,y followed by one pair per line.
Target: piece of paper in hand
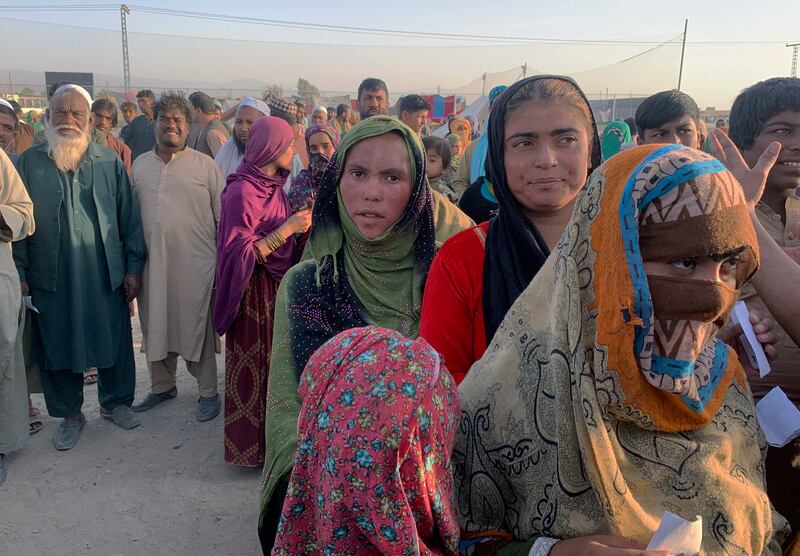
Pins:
x,y
778,417
751,344
681,537
29,304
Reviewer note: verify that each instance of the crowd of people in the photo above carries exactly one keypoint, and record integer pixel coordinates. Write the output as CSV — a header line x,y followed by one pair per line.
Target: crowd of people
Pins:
x,y
513,338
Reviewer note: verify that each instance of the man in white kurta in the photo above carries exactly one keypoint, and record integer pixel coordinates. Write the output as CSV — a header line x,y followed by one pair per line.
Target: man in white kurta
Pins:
x,y
16,222
179,197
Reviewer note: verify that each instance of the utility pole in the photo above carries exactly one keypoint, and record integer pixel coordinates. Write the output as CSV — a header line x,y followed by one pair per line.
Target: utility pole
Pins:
x,y
795,48
483,90
126,64
683,52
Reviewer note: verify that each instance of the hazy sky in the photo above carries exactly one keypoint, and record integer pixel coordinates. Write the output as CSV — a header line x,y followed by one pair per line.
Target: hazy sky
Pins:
x,y
713,74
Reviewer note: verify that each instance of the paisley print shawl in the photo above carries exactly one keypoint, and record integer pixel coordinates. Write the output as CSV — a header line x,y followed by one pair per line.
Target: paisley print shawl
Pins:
x,y
566,432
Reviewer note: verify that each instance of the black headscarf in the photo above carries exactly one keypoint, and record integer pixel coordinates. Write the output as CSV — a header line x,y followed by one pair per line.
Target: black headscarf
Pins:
x,y
515,250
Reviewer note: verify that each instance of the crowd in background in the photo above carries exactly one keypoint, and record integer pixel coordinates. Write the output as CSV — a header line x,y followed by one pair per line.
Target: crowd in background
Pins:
x,y
510,338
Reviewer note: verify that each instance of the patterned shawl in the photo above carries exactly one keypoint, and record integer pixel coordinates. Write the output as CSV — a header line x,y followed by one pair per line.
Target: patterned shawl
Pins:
x,y
372,470
349,282
567,428
304,186
515,250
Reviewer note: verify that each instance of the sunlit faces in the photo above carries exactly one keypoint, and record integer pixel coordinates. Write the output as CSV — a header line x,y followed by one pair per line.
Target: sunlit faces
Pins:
x,y
69,114
376,183
172,128
8,129
415,120
433,165
245,117
785,129
683,131
373,103
103,120
319,118
320,143
546,156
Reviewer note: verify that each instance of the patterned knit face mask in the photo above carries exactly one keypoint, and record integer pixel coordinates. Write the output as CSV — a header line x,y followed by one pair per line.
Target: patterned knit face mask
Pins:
x,y
689,207
687,314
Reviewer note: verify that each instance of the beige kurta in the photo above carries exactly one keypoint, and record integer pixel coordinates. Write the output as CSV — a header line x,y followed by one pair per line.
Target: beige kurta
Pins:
x,y
180,206
16,222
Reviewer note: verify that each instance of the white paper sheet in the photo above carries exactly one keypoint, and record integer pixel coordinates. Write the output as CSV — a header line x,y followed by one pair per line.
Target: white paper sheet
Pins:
x,y
778,417
29,304
681,537
751,344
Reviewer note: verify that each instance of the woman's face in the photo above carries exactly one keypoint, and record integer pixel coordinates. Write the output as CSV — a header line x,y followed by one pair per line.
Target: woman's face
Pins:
x,y
546,156
376,183
320,143
284,161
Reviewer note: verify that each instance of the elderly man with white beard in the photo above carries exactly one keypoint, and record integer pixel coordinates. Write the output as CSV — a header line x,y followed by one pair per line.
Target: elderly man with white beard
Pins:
x,y
232,152
82,266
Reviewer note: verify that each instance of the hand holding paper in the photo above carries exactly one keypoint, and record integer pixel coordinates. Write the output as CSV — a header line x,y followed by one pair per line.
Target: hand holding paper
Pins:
x,y
675,534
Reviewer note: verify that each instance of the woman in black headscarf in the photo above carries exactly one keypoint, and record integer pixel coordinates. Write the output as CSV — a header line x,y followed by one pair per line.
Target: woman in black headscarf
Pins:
x,y
543,144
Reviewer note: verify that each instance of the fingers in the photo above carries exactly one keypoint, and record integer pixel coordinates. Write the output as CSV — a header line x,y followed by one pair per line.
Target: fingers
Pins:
x,y
730,333
733,158
716,148
768,159
771,351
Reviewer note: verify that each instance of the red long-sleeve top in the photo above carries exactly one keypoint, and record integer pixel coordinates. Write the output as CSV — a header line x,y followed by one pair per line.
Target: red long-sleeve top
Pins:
x,y
452,307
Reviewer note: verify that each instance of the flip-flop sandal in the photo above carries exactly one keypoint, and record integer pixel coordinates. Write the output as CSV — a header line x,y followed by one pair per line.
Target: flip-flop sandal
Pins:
x,y
35,422
90,376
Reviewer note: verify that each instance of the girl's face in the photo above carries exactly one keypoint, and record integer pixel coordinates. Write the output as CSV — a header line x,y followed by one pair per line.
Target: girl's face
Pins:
x,y
546,156
376,183
458,148
320,143
433,165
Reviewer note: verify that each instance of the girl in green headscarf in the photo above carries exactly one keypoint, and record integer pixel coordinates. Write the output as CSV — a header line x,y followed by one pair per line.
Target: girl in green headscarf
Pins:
x,y
614,136
376,227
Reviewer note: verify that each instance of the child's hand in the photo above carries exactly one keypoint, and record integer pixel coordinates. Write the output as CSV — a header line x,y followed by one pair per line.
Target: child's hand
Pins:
x,y
753,180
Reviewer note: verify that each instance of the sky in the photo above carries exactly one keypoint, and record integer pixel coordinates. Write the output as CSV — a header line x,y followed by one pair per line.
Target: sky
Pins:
x,y
168,49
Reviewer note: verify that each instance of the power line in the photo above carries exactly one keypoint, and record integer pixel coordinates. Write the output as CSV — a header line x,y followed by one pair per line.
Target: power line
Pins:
x,y
354,30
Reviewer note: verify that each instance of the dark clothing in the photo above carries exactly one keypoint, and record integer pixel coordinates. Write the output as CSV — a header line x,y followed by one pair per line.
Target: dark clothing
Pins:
x,y
120,225
88,237
63,389
478,203
141,135
515,249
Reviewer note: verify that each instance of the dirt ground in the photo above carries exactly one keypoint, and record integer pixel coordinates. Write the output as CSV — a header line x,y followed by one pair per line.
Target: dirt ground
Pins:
x,y
162,488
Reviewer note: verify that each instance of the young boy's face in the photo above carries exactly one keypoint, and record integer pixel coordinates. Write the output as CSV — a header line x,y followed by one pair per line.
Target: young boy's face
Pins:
x,y
785,129
433,165
682,131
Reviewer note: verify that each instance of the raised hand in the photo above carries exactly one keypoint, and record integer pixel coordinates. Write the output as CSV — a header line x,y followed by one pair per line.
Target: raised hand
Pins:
x,y
752,179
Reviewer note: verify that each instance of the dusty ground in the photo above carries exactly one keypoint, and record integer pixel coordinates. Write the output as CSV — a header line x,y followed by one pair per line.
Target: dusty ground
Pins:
x,y
162,488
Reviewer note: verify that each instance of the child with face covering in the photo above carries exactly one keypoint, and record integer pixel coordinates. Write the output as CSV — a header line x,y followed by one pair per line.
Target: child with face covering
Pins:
x,y
606,397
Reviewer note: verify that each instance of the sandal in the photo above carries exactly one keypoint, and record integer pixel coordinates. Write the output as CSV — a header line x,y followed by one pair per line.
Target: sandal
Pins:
x,y
90,376
35,422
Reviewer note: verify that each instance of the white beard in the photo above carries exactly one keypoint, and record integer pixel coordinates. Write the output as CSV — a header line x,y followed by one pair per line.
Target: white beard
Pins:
x,y
66,152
